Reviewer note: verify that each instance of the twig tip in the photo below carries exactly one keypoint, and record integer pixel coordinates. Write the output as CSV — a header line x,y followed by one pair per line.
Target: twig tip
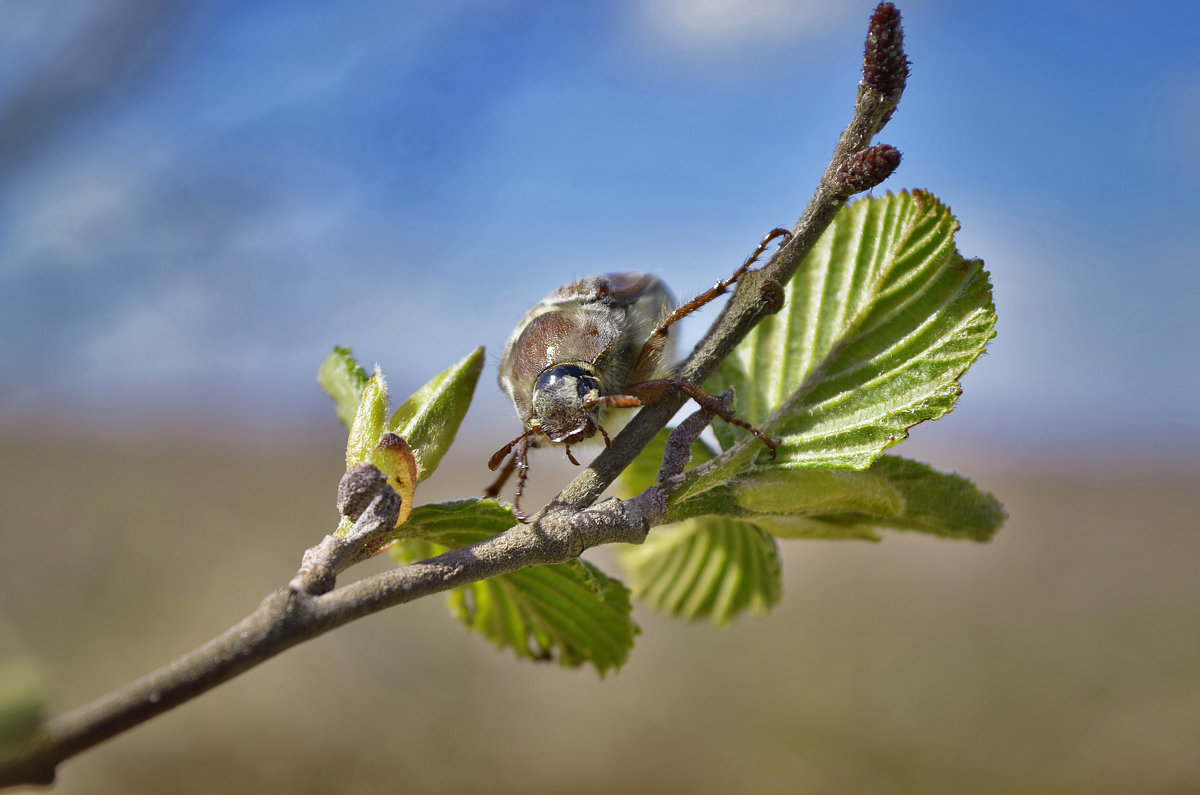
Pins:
x,y
885,65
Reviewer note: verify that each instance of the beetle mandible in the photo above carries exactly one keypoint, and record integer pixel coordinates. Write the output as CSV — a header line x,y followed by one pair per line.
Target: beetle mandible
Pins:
x,y
597,343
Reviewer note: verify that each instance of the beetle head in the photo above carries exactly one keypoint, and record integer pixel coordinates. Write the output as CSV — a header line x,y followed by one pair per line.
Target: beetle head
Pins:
x,y
564,402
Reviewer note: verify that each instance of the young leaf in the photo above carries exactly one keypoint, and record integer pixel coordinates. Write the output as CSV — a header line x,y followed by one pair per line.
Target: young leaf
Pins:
x,y
712,568
457,523
569,611
344,381
430,418
395,459
367,425
880,321
363,445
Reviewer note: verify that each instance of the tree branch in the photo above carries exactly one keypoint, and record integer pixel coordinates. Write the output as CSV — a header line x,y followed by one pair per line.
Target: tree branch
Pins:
x,y
310,605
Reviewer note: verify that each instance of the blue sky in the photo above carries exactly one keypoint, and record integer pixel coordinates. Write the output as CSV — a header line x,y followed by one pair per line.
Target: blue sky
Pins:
x,y
196,205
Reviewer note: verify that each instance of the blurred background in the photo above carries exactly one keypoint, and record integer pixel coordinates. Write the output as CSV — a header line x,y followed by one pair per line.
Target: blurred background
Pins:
x,y
197,201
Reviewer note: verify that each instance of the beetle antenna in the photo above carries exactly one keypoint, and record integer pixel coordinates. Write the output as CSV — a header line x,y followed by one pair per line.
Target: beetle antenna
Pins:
x,y
501,454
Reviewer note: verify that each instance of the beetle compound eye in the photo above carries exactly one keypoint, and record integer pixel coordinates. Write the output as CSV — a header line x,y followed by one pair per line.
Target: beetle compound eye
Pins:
x,y
565,379
565,385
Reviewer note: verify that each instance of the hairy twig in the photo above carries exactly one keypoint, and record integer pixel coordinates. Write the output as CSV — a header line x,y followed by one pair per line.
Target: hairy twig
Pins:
x,y
310,605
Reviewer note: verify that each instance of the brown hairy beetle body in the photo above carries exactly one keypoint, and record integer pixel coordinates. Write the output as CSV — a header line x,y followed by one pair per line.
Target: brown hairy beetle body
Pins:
x,y
594,344
583,340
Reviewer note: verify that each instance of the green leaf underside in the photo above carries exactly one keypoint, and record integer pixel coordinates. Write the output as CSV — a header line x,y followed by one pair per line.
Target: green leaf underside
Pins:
x,y
429,419
880,321
571,612
724,561
714,568
769,491
457,523
344,381
894,493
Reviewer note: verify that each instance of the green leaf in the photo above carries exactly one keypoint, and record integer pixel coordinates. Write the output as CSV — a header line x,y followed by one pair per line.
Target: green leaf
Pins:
x,y
935,503
457,523
367,425
711,568
571,612
429,419
723,560
895,493
880,321
778,491
344,381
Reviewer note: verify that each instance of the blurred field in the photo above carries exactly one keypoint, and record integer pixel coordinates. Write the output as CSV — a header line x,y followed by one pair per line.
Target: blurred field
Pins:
x,y
1063,657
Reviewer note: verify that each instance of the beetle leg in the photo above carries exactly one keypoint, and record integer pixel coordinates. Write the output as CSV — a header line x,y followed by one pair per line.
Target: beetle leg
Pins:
x,y
522,459
657,339
519,448
711,402
652,352
570,457
493,490
614,402
650,391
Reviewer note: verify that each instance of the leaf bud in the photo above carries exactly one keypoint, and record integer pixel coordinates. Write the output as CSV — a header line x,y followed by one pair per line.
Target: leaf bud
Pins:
x,y
866,169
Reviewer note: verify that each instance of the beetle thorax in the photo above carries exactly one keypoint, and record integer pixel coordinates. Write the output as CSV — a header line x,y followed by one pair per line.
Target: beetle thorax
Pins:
x,y
564,402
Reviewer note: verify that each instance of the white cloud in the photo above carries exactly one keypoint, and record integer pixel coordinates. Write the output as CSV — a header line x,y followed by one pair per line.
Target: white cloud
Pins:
x,y
71,211
34,32
718,26
160,339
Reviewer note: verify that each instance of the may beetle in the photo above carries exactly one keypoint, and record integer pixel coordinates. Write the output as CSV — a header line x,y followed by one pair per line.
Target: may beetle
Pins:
x,y
594,344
